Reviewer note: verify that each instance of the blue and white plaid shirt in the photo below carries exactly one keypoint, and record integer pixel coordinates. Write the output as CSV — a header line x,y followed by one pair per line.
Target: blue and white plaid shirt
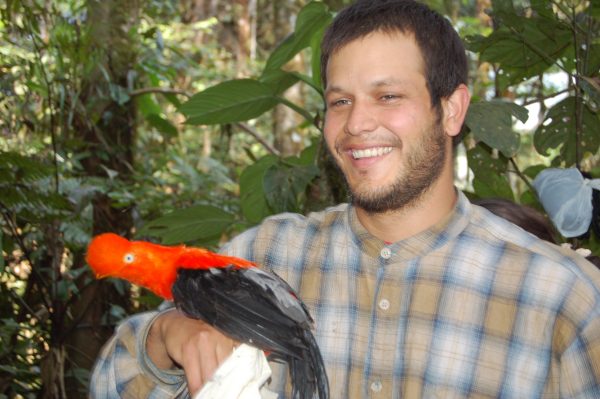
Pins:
x,y
473,307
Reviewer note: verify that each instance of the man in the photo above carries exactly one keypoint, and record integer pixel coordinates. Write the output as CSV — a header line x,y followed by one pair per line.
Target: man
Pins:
x,y
415,292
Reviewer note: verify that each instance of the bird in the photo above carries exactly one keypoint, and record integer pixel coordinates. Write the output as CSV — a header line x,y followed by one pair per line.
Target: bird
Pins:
x,y
234,295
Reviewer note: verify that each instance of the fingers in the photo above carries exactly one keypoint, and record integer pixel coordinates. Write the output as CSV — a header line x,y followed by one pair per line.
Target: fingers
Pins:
x,y
196,347
203,354
193,372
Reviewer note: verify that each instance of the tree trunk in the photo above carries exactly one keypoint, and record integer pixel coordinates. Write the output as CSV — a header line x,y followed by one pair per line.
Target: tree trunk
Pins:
x,y
109,140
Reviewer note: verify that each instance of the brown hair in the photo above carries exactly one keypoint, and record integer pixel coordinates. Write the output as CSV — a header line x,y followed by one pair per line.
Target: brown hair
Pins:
x,y
442,50
527,218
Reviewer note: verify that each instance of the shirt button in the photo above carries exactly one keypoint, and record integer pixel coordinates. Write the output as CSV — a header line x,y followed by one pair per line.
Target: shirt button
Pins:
x,y
384,304
376,386
386,253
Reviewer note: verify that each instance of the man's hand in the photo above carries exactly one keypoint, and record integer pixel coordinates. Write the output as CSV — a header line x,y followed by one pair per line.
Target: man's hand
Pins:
x,y
176,340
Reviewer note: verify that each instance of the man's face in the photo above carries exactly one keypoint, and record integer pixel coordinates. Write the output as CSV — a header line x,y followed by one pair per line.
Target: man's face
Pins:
x,y
380,126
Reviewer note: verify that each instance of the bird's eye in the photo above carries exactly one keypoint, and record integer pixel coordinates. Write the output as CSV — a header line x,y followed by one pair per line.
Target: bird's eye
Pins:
x,y
128,258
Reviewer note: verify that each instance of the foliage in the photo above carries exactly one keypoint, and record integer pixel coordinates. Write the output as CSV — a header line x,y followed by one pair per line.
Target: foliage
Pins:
x,y
528,44
525,44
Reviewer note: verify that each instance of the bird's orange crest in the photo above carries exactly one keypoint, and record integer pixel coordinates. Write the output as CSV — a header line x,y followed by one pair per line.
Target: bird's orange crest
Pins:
x,y
150,265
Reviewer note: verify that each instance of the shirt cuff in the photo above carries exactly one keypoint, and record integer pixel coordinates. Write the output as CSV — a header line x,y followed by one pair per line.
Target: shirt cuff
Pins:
x,y
173,377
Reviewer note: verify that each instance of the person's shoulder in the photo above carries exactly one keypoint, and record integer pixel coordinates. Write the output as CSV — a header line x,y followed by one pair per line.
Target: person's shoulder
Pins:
x,y
514,239
286,229
330,215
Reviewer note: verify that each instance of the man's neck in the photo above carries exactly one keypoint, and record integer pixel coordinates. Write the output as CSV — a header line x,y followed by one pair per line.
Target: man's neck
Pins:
x,y
431,208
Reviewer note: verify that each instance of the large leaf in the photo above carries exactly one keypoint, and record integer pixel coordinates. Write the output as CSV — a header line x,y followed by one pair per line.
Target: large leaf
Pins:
x,y
310,22
559,128
522,47
491,122
279,80
200,223
315,46
253,201
284,185
490,174
231,101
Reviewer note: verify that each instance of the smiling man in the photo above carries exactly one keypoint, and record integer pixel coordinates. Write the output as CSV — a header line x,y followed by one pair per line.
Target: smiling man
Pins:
x,y
393,145
415,291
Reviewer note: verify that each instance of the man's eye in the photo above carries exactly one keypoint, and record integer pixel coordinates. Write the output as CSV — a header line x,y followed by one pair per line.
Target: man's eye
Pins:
x,y
340,102
389,97
128,258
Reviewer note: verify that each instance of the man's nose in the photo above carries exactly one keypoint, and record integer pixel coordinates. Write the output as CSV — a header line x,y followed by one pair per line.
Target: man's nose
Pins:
x,y
361,119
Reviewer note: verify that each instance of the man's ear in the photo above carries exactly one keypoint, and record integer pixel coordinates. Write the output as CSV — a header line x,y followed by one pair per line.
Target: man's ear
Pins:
x,y
455,109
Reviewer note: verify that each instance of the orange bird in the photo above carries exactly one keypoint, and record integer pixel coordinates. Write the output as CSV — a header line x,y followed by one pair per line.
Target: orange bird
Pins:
x,y
151,265
232,294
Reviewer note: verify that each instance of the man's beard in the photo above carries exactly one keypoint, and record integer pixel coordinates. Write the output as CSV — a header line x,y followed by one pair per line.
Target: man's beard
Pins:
x,y
423,167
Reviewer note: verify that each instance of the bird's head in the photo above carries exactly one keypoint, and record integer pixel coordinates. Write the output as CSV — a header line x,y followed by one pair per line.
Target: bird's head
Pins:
x,y
109,254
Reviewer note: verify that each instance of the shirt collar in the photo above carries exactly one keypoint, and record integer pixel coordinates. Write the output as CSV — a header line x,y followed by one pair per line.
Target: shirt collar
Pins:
x,y
417,245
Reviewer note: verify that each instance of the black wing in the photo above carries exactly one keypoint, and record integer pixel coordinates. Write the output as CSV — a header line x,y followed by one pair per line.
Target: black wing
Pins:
x,y
258,308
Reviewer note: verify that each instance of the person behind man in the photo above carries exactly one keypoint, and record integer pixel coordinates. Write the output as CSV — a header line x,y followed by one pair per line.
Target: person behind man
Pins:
x,y
415,291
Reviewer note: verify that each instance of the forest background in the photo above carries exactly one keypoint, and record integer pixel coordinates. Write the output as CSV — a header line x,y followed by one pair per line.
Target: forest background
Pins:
x,y
188,121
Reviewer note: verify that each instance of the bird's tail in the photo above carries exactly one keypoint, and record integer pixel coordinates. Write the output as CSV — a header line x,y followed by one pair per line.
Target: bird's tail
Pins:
x,y
309,372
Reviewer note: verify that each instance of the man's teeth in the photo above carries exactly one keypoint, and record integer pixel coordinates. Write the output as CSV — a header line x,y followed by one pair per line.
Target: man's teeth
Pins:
x,y
371,152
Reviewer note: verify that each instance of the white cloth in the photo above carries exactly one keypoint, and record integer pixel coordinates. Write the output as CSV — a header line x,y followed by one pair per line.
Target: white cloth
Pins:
x,y
241,376
567,198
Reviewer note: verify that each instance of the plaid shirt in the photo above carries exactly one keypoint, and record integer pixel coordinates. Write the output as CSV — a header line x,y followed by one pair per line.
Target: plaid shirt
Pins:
x,y
473,307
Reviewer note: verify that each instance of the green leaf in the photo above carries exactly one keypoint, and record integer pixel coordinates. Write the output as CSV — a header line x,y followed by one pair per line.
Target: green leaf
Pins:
x,y
491,122
310,22
310,82
284,185
305,113
146,105
490,174
315,60
162,125
523,47
591,87
533,170
559,126
231,101
252,196
200,223
279,80
543,8
593,62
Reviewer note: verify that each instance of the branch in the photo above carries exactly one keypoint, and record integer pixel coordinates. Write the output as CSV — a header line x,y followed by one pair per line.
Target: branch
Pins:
x,y
521,175
542,98
160,90
248,129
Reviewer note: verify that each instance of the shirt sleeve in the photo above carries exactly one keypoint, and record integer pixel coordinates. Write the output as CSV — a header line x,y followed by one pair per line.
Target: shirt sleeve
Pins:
x,y
123,369
580,364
